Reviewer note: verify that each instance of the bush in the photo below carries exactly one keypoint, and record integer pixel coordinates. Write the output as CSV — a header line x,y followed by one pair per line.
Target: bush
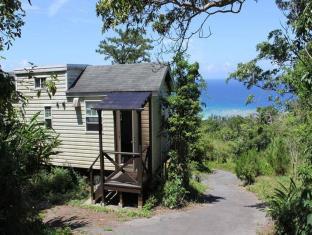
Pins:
x,y
291,209
58,185
265,167
150,203
174,193
278,157
247,167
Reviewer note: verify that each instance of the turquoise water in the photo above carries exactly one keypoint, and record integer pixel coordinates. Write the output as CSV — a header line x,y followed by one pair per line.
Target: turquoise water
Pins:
x,y
228,99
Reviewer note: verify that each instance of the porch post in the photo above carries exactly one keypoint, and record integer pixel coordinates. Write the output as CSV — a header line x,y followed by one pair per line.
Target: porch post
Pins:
x,y
140,167
150,131
99,112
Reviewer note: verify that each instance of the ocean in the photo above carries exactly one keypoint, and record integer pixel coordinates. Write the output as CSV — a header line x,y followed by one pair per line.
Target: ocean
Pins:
x,y
229,99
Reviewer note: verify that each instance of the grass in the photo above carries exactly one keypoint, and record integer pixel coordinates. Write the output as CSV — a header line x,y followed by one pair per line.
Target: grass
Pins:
x,y
229,165
108,229
198,186
56,231
121,213
265,185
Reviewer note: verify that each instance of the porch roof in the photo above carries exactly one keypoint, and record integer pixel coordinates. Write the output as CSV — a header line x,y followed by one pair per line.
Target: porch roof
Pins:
x,y
130,100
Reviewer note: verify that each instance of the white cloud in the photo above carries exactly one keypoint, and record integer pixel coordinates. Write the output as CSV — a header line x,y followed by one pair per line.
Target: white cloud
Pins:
x,y
56,6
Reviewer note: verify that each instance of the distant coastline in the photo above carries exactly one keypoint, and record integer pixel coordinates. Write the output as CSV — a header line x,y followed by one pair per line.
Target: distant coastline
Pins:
x,y
229,99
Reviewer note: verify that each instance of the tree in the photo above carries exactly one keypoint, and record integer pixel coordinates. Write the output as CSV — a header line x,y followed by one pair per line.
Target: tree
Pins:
x,y
11,21
290,53
183,127
129,47
169,18
23,149
23,146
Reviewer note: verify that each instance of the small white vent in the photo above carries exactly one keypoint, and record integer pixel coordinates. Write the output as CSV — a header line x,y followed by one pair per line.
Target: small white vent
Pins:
x,y
76,102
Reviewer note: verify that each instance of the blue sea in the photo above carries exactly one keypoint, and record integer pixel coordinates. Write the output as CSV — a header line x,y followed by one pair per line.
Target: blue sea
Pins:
x,y
229,99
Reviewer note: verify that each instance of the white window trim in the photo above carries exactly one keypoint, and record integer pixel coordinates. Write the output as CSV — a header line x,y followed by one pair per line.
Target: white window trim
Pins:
x,y
85,105
47,106
39,77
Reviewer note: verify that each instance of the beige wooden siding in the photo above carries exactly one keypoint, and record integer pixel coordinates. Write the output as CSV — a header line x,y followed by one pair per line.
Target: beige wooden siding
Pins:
x,y
159,139
156,158
78,147
145,126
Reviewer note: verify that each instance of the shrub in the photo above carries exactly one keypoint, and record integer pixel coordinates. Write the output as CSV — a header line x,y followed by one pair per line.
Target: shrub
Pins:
x,y
174,193
291,209
278,157
150,203
58,185
265,167
247,167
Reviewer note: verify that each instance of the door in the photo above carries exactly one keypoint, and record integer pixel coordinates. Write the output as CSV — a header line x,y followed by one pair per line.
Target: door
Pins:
x,y
126,134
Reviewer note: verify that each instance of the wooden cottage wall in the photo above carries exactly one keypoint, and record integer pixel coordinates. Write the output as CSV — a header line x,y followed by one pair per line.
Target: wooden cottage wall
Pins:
x,y
156,124
78,147
145,127
159,139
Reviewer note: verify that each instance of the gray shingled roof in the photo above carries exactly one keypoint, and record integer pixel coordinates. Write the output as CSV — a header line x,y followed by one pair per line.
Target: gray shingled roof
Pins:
x,y
120,77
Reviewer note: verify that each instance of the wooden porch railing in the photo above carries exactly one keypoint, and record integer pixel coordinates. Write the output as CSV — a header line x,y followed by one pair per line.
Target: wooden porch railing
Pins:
x,y
141,170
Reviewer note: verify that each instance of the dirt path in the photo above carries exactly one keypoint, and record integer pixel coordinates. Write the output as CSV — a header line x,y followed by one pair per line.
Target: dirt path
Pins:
x,y
79,220
231,210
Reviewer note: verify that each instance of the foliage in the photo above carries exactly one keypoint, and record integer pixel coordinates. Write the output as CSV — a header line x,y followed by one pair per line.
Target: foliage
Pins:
x,y
169,18
129,47
228,165
197,186
278,157
289,52
223,138
11,22
265,185
150,203
247,167
183,128
58,185
23,149
46,230
174,193
121,213
291,209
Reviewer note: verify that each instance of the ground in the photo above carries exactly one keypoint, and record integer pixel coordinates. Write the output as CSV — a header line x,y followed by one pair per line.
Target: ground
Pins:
x,y
230,209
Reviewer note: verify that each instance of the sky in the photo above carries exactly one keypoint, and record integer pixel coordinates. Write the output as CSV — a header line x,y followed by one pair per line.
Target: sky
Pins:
x,y
68,31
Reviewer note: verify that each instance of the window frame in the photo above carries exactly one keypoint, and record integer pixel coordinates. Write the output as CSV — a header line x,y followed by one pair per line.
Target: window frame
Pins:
x,y
87,115
48,118
41,83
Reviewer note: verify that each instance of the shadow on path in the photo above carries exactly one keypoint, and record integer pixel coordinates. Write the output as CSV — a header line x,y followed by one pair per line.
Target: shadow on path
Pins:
x,y
209,198
72,222
260,206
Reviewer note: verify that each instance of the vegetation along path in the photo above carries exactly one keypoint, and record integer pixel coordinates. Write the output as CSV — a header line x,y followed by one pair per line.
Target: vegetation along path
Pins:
x,y
230,209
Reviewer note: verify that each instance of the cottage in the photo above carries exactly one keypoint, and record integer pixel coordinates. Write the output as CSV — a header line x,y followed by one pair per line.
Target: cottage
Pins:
x,y
109,120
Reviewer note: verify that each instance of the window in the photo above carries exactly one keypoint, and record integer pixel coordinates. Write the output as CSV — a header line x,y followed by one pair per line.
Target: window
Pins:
x,y
40,83
48,117
92,122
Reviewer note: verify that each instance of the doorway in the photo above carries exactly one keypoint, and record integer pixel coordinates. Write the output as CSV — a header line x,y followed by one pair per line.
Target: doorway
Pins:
x,y
126,135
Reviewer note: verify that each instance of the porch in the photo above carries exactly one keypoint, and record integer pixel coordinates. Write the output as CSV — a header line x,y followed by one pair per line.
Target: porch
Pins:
x,y
132,155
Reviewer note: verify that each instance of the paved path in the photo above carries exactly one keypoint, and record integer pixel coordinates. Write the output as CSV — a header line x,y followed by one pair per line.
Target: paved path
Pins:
x,y
229,210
